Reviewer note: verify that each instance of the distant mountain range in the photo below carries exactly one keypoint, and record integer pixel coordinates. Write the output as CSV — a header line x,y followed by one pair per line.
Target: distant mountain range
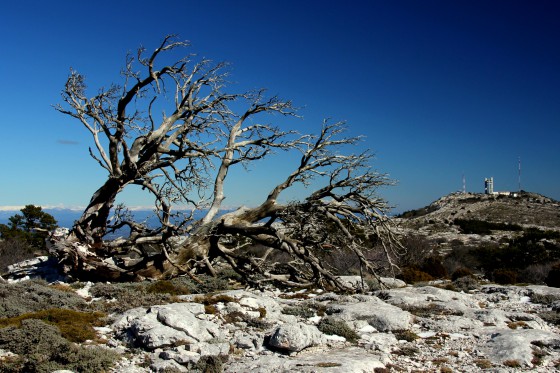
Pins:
x,y
67,217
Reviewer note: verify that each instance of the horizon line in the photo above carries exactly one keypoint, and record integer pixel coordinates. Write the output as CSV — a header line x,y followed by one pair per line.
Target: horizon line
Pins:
x,y
82,208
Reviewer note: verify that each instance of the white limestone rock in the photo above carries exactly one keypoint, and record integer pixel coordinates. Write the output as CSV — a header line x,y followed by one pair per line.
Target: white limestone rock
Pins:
x,y
380,315
345,360
181,356
386,283
182,316
431,297
517,344
296,337
167,366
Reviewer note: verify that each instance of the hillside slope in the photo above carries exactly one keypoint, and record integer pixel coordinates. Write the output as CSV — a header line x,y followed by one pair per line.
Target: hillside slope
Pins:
x,y
486,233
526,210
503,218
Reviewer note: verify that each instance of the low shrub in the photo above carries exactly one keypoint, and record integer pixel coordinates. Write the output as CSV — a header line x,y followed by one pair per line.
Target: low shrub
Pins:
x,y
553,277
512,363
35,295
466,283
210,364
418,212
535,273
406,351
461,272
254,322
42,349
405,335
73,325
547,299
12,251
411,275
332,326
120,297
210,299
551,317
505,276
434,267
483,363
481,227
299,310
429,310
167,287
207,284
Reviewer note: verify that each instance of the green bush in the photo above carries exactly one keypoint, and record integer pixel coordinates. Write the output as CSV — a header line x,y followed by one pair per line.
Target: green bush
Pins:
x,y
466,283
474,226
210,364
505,276
32,226
332,326
527,250
551,317
412,275
73,325
460,272
553,278
42,349
418,212
14,250
167,287
120,297
299,310
35,295
546,299
209,284
405,335
434,267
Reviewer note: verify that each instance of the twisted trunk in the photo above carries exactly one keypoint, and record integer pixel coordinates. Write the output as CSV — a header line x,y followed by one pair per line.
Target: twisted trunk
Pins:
x,y
92,225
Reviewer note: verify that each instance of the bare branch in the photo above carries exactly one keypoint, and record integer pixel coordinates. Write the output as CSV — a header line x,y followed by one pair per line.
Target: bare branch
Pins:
x,y
182,158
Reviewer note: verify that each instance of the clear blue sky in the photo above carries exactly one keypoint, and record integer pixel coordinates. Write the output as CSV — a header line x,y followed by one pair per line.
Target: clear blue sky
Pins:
x,y
440,88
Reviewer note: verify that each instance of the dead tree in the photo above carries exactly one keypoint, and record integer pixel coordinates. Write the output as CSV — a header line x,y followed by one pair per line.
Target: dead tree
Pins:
x,y
182,157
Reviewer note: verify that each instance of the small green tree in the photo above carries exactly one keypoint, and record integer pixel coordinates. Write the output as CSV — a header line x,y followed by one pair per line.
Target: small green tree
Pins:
x,y
32,226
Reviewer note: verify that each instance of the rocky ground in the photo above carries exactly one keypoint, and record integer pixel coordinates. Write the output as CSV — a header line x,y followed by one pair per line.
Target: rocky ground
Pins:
x,y
461,326
428,328
436,222
526,209
495,328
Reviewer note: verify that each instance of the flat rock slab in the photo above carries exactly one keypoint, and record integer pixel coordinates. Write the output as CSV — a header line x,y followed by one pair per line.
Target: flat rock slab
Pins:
x,y
518,345
182,316
346,360
166,325
382,316
431,297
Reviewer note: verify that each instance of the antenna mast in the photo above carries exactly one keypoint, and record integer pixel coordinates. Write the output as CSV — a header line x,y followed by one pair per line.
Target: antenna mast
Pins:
x,y
464,185
519,174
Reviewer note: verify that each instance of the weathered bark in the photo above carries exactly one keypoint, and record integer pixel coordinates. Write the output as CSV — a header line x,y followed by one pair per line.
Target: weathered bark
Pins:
x,y
183,159
92,225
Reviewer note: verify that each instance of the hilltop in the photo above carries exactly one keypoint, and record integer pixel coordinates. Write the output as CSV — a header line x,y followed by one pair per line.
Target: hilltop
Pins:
x,y
474,217
504,238
525,209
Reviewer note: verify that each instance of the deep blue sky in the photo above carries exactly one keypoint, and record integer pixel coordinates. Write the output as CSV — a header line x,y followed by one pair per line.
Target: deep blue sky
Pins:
x,y
440,88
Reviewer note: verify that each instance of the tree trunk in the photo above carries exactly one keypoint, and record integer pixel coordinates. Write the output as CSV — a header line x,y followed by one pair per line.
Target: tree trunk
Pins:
x,y
92,225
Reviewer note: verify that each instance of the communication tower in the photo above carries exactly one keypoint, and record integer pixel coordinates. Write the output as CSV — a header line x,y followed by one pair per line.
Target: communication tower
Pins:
x,y
519,174
489,185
